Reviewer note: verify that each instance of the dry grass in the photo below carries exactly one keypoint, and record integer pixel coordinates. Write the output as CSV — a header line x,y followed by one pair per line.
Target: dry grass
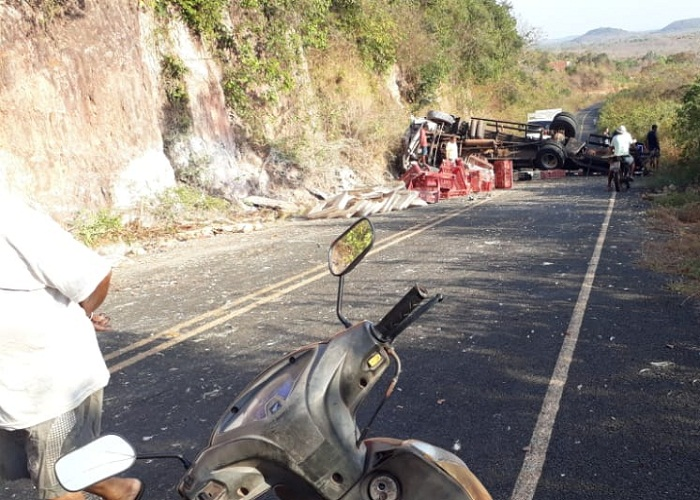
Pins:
x,y
359,119
677,251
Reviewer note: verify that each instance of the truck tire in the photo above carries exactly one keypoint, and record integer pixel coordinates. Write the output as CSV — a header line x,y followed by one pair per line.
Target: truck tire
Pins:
x,y
550,156
566,122
440,117
463,128
404,162
566,113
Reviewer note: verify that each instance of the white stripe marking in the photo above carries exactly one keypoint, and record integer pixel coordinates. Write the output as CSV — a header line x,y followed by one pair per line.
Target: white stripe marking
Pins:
x,y
539,443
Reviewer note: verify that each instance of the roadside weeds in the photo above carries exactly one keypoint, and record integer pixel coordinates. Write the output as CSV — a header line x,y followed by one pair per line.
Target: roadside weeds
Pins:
x,y
677,251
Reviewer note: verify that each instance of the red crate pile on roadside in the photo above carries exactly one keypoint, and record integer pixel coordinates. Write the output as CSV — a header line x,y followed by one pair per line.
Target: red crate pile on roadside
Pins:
x,y
474,174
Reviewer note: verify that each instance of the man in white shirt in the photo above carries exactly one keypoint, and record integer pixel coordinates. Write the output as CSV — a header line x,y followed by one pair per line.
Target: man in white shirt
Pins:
x,y
620,145
52,372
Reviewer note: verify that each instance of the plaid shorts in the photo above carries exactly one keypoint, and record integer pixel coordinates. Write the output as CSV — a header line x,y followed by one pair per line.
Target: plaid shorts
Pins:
x,y
46,442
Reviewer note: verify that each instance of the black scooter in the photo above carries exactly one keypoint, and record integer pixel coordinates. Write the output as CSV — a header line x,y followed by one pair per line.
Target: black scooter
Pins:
x,y
293,430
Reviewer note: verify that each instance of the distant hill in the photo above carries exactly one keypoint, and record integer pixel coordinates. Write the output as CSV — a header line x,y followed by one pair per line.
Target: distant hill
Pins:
x,y
601,34
680,26
679,36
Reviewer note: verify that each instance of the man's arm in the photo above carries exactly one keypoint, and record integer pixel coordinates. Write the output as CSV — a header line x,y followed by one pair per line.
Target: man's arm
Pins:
x,y
98,295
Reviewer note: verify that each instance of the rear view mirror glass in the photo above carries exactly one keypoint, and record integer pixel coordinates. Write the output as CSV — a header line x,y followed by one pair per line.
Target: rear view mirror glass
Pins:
x,y
103,458
350,247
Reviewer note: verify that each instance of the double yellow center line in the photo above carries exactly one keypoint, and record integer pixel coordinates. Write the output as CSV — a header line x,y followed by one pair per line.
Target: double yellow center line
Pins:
x,y
211,319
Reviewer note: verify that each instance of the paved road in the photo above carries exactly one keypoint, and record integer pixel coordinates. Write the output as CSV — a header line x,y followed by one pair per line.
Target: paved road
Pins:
x,y
588,118
538,368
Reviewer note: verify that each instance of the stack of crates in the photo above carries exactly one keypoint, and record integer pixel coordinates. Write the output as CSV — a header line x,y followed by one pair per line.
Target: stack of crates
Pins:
x,y
503,170
481,174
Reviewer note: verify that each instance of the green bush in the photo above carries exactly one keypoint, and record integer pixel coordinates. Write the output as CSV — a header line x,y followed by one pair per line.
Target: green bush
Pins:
x,y
375,31
177,116
204,17
688,122
678,199
97,228
173,71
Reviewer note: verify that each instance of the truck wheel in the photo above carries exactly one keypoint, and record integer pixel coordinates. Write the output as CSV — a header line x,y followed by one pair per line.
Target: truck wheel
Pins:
x,y
440,117
566,113
550,156
566,122
405,162
463,129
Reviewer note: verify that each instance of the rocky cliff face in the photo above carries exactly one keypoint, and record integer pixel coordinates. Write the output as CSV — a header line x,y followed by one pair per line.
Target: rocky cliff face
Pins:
x,y
81,104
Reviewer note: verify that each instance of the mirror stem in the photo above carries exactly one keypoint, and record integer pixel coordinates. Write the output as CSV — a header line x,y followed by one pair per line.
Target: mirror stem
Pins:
x,y
339,304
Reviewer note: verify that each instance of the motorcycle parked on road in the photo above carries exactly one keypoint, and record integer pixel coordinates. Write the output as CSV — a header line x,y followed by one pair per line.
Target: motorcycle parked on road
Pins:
x,y
293,431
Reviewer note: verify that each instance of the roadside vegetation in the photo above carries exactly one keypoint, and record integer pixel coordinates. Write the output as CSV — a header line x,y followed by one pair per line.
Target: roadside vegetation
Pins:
x,y
464,57
666,91
179,213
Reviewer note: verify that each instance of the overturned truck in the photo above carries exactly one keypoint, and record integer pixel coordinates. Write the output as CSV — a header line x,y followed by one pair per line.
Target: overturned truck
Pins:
x,y
526,145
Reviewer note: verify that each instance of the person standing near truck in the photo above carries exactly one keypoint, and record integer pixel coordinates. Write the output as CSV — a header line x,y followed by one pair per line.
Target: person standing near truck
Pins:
x,y
423,143
653,148
451,150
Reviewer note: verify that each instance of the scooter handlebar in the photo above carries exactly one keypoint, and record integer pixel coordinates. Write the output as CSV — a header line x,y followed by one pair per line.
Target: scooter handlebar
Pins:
x,y
400,316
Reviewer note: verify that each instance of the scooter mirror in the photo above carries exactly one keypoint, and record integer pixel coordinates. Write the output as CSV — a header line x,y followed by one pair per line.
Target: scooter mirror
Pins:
x,y
103,458
350,247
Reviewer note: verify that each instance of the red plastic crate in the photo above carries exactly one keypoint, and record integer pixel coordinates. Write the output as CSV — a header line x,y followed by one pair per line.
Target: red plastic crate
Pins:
x,y
503,170
553,174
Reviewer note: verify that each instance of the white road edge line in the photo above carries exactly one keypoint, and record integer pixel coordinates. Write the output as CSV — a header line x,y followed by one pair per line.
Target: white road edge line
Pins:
x,y
530,473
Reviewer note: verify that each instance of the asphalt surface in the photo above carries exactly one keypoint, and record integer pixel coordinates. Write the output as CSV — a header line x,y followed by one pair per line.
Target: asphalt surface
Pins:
x,y
195,323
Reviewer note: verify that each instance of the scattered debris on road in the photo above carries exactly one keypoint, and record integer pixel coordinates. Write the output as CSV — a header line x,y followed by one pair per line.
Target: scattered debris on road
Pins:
x,y
365,202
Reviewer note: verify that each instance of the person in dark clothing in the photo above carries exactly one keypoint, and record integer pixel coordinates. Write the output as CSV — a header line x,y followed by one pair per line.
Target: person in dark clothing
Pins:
x,y
652,145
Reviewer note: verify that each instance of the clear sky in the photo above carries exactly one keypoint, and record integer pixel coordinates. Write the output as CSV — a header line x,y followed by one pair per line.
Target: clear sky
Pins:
x,y
564,18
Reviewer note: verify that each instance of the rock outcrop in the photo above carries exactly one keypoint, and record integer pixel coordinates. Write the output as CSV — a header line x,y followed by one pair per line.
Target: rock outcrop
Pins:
x,y
81,104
